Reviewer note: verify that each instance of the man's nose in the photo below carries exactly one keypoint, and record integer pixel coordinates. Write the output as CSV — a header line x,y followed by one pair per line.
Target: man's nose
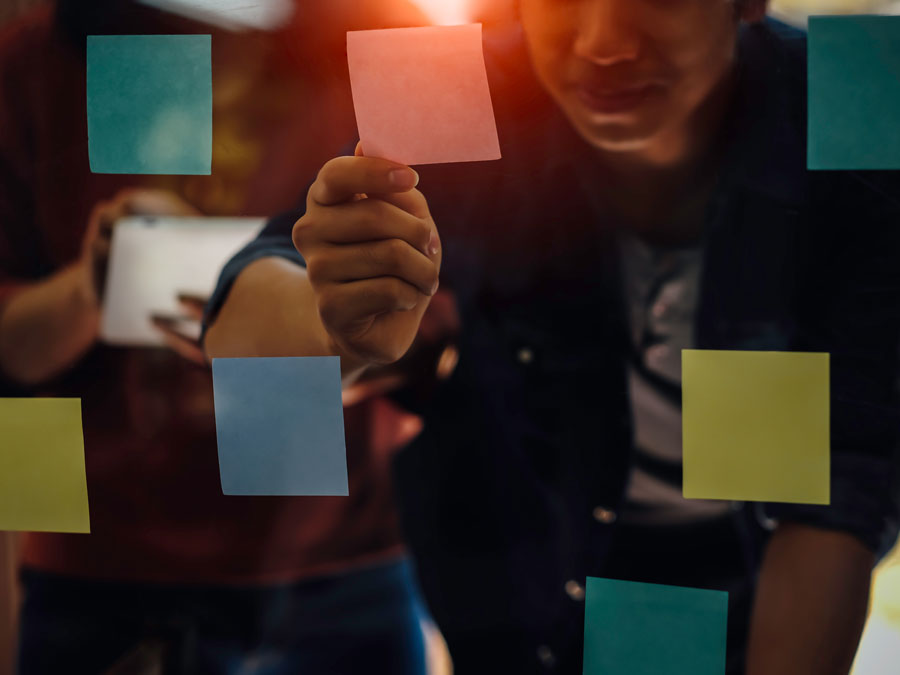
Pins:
x,y
607,32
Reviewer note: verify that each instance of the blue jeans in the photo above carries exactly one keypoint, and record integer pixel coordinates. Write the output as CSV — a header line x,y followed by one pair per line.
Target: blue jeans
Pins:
x,y
366,620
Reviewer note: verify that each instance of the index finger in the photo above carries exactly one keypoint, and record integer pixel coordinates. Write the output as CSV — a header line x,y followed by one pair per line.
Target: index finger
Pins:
x,y
411,201
344,177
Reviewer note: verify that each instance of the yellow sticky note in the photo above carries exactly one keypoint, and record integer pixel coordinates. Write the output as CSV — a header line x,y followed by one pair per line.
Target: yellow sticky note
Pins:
x,y
756,426
43,487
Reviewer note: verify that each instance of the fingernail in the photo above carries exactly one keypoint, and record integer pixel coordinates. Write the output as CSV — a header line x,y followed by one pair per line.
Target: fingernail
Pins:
x,y
433,244
403,179
435,287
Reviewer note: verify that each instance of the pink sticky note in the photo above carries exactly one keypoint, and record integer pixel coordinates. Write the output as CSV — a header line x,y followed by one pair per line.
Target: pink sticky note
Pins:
x,y
421,94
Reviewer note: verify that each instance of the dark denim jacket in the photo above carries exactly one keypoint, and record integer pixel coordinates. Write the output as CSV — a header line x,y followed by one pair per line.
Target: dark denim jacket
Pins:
x,y
513,486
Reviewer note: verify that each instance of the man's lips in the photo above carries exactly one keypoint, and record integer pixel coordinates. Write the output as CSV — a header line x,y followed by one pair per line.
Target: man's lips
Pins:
x,y
616,100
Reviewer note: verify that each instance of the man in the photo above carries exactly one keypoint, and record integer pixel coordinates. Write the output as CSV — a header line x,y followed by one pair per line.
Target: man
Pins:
x,y
653,196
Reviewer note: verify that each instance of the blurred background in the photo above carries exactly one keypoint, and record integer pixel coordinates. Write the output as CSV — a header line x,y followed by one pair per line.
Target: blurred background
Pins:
x,y
881,640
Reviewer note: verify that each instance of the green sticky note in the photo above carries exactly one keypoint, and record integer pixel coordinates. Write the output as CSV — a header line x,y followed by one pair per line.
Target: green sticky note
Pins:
x,y
756,426
149,104
633,628
42,478
854,92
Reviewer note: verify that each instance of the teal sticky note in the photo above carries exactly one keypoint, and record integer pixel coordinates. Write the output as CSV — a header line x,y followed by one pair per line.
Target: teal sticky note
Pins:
x,y
634,628
854,92
149,104
280,426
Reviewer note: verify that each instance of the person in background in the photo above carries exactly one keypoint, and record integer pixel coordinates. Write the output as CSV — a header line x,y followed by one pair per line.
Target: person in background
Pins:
x,y
653,196
12,8
203,582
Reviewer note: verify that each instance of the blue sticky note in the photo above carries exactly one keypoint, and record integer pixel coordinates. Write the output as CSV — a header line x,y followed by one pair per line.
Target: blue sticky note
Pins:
x,y
149,104
634,628
854,92
280,426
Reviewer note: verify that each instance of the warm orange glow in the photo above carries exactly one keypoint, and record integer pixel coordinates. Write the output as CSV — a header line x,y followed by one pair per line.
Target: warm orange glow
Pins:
x,y
446,12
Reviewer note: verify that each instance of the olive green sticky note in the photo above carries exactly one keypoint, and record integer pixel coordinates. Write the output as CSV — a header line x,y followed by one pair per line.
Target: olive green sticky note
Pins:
x,y
756,426
149,104
854,92
43,487
634,628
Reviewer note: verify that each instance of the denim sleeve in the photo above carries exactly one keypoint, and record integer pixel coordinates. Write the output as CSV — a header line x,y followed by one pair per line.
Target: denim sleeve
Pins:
x,y
855,316
862,502
273,241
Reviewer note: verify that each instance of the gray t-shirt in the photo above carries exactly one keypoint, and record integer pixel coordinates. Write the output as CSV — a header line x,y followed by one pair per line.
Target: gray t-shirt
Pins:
x,y
661,287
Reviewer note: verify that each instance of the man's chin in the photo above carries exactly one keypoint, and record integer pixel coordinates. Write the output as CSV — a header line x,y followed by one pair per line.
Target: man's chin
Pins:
x,y
618,145
616,138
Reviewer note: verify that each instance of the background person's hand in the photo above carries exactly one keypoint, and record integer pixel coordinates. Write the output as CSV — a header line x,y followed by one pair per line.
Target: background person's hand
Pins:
x,y
372,254
98,237
172,328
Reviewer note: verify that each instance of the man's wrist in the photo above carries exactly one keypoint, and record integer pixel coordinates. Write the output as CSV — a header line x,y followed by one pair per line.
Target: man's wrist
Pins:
x,y
352,367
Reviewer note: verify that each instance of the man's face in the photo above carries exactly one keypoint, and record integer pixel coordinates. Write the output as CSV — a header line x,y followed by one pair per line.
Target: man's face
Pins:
x,y
629,72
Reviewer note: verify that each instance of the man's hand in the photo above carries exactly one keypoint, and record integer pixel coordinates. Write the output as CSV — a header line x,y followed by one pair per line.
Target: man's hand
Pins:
x,y
432,356
372,254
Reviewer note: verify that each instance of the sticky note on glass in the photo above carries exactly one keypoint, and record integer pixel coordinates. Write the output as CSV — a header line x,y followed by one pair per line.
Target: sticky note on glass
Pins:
x,y
43,487
854,92
756,426
280,426
645,629
421,94
149,104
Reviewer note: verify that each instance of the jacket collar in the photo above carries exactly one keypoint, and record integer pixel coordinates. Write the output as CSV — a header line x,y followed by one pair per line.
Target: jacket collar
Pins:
x,y
765,136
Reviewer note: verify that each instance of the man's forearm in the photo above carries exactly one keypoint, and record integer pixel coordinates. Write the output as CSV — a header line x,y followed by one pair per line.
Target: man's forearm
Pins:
x,y
48,326
810,603
271,311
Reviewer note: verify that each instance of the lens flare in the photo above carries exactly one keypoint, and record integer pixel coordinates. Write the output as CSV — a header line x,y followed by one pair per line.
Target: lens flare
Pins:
x,y
446,12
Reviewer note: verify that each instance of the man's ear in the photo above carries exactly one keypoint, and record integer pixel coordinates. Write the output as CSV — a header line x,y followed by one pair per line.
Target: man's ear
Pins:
x,y
752,11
